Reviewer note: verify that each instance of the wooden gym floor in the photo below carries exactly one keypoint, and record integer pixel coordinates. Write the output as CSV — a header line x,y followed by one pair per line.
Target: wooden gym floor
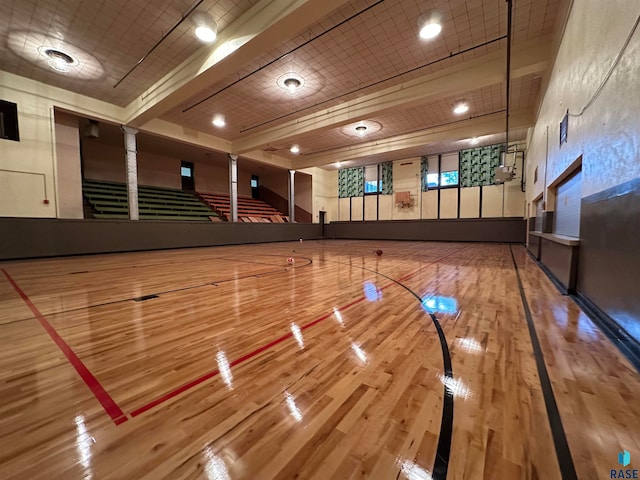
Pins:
x,y
227,363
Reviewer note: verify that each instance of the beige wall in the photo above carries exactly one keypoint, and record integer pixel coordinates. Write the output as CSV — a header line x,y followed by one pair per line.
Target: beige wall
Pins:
x,y
606,135
386,206
303,191
449,203
215,179
430,204
324,193
343,207
406,178
107,162
470,202
69,176
356,208
28,167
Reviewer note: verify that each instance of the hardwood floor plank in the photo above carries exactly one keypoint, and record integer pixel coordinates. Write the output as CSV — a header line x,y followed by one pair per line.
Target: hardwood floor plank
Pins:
x,y
244,367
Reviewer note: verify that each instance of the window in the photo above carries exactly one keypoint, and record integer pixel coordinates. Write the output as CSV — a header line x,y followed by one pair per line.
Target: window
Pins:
x,y
442,172
449,170
9,121
432,180
254,183
448,179
185,171
433,173
371,180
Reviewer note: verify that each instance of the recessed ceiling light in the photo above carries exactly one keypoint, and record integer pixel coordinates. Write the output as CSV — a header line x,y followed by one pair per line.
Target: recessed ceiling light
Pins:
x,y
58,60
430,24
461,108
218,120
361,130
292,84
206,28
295,149
51,53
338,164
475,141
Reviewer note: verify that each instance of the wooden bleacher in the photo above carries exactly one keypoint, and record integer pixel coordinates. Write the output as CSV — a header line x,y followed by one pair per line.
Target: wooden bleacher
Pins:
x,y
249,209
109,200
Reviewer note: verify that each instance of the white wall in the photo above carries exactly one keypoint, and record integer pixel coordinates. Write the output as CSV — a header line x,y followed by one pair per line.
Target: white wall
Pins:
x,y
607,134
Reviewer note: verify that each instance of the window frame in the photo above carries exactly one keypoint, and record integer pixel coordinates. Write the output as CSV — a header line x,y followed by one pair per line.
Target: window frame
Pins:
x,y
440,172
378,181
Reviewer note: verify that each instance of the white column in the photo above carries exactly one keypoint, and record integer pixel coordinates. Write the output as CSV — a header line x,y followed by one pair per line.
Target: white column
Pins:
x,y
132,170
292,200
233,186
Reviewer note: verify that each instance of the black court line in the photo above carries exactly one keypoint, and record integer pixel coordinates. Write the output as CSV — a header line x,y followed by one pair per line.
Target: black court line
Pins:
x,y
618,336
565,461
175,290
443,450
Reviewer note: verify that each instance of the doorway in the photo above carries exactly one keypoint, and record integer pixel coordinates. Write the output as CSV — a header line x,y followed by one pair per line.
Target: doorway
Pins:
x,y
186,173
255,187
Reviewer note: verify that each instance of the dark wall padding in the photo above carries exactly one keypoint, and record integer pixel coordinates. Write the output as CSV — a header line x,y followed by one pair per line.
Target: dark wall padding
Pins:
x,y
609,265
561,260
507,230
39,237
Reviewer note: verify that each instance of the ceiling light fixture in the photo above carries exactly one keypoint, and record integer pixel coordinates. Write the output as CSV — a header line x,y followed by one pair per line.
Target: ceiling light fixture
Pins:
x,y
58,60
361,130
206,28
475,141
430,24
295,149
460,108
292,84
218,120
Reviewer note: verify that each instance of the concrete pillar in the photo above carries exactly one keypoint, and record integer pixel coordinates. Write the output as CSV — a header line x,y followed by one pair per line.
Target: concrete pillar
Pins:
x,y
292,200
132,170
233,186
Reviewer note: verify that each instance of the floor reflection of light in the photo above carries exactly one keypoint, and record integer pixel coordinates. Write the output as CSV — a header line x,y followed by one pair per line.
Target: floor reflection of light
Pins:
x,y
338,316
469,345
456,387
83,446
412,471
440,304
371,292
359,352
293,408
225,370
297,334
215,468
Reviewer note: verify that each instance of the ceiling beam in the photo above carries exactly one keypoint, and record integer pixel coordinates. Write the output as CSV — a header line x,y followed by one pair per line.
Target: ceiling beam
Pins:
x,y
173,131
528,58
263,27
475,127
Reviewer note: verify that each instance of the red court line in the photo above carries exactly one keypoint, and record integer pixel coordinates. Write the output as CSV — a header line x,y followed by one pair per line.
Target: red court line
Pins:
x,y
110,406
275,342
237,361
